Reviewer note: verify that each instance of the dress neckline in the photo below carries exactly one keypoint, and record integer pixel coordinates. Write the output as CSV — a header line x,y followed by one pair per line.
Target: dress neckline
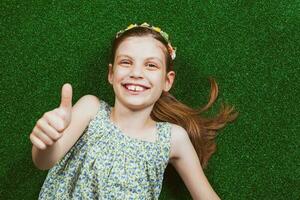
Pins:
x,y
130,138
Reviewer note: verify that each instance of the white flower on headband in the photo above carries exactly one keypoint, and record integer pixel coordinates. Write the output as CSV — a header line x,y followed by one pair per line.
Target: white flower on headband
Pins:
x,y
172,51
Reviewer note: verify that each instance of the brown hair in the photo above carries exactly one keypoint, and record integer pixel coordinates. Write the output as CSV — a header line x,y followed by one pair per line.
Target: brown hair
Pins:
x,y
202,131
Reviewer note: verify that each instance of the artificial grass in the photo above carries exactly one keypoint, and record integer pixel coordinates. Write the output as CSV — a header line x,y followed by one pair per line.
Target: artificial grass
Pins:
x,y
251,48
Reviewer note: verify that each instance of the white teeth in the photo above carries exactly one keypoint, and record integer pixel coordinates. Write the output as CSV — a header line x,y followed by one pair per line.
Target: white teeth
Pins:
x,y
135,88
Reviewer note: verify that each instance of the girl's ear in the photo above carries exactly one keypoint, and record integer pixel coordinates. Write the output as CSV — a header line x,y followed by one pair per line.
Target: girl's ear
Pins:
x,y
169,80
110,73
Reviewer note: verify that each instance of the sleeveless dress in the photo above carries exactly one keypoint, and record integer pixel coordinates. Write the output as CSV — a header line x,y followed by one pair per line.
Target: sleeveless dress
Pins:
x,y
107,164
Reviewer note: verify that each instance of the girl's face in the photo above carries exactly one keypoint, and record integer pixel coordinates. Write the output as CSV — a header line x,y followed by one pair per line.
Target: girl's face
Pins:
x,y
139,72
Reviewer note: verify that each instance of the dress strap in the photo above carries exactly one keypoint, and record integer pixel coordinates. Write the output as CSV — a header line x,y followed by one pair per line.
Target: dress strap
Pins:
x,y
164,142
98,121
102,112
104,109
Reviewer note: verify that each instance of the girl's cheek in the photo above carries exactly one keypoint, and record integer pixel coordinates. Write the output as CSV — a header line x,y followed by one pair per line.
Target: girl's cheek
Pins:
x,y
121,73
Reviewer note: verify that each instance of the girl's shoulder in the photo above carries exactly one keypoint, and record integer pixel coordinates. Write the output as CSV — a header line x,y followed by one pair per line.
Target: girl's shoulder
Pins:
x,y
91,104
178,132
178,136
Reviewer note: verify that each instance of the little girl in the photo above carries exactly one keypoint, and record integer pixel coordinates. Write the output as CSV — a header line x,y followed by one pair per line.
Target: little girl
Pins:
x,y
95,151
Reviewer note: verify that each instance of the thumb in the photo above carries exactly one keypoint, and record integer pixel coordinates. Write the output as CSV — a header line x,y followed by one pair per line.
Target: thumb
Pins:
x,y
66,97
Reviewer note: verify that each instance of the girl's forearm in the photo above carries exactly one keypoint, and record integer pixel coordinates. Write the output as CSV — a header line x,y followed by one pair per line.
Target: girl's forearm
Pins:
x,y
45,159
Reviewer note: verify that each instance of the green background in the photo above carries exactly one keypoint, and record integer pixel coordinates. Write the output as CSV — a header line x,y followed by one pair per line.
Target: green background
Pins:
x,y
250,47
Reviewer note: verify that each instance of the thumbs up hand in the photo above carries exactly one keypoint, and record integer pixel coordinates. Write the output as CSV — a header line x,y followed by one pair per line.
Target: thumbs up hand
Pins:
x,y
50,126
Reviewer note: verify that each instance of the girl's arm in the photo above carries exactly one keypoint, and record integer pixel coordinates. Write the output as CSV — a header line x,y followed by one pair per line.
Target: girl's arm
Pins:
x,y
82,112
186,162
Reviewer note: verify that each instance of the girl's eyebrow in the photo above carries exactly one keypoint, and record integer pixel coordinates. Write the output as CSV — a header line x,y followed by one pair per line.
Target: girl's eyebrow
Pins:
x,y
149,58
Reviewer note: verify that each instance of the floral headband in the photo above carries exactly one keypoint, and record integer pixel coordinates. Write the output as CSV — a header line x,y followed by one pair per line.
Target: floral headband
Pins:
x,y
171,50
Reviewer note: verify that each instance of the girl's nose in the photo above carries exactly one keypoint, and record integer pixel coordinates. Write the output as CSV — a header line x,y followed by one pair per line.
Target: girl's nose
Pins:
x,y
136,71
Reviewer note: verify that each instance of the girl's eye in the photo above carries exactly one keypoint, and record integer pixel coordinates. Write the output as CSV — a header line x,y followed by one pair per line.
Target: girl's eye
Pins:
x,y
125,62
152,65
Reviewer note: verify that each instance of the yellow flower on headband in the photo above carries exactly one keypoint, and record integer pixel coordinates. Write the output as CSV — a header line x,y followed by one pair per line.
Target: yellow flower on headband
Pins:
x,y
156,29
131,26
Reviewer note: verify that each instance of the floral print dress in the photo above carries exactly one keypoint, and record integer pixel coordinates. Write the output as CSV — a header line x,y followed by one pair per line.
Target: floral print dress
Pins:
x,y
107,164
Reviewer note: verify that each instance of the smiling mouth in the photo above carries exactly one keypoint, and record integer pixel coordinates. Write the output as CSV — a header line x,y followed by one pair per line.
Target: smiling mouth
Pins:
x,y
135,88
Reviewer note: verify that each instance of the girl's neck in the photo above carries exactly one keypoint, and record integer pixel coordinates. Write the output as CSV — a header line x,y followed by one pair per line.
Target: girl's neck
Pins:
x,y
132,121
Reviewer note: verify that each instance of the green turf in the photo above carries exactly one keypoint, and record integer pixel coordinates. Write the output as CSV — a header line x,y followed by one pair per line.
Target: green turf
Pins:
x,y
250,47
